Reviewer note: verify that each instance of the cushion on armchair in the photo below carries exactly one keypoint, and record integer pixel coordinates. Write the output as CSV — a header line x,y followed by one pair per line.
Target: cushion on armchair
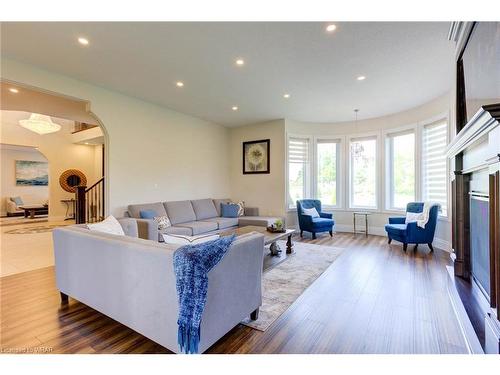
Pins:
x,y
17,200
313,212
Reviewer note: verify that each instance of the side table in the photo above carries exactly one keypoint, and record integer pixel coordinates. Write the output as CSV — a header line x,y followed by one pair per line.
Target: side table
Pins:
x,y
361,213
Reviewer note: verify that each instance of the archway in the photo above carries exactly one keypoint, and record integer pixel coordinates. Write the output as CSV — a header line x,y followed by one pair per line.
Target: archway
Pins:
x,y
82,134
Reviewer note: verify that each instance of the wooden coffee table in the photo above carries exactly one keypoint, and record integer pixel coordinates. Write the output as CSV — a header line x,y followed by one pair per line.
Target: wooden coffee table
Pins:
x,y
269,237
34,209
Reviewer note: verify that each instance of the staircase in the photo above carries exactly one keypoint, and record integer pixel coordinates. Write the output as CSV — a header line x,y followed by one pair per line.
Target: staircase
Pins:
x,y
90,203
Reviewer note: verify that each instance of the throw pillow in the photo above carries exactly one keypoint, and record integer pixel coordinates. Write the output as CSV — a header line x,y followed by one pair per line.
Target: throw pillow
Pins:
x,y
163,222
241,208
229,210
412,217
109,225
310,212
147,214
17,200
179,239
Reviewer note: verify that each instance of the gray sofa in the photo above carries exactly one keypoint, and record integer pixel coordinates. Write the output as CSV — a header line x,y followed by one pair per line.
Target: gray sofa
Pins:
x,y
132,280
194,217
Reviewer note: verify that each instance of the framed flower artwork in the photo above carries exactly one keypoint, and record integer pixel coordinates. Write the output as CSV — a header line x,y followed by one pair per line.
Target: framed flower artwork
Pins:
x,y
256,157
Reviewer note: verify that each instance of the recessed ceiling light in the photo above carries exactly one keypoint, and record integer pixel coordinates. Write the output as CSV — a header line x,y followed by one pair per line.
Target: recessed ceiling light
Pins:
x,y
180,84
13,90
83,41
240,62
286,96
86,143
234,108
331,28
361,78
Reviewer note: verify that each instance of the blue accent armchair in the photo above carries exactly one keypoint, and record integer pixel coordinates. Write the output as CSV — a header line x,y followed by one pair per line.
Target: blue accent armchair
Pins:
x,y
307,223
411,233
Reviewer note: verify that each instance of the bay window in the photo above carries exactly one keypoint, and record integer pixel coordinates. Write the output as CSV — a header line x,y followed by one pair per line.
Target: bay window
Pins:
x,y
400,170
298,170
363,172
327,172
434,171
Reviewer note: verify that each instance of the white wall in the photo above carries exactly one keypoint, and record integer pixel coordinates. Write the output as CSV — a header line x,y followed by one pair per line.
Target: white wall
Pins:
x,y
61,155
154,154
343,217
265,191
8,187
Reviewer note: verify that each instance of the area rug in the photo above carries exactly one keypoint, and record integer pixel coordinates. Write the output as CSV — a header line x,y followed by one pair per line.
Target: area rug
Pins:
x,y
284,283
36,229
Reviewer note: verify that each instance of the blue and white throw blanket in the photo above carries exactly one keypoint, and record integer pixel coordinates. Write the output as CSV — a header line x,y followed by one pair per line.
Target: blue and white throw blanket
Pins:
x,y
191,265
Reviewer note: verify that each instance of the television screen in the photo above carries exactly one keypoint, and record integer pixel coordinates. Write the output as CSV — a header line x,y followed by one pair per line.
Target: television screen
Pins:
x,y
481,61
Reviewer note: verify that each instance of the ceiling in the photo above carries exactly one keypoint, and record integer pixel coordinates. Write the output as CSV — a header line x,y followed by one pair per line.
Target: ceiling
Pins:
x,y
405,64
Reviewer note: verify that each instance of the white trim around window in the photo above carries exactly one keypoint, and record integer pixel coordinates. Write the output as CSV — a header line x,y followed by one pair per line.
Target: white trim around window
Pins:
x,y
349,163
339,169
308,160
387,175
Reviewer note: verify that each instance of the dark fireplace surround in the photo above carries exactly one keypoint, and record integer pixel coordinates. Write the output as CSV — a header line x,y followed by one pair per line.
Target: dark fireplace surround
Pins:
x,y
474,282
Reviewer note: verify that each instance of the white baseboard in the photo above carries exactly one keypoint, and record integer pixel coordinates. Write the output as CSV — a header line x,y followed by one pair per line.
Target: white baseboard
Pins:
x,y
442,244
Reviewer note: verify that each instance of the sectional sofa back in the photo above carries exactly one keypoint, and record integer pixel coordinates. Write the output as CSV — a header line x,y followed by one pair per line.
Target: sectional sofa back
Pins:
x,y
180,212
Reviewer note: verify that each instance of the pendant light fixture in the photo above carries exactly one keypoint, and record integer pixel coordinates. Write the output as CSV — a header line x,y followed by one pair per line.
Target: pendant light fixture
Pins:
x,y
40,124
357,148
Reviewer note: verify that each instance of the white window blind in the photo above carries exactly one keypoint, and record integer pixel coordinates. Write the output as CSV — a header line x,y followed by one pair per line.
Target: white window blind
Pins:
x,y
434,174
298,150
298,169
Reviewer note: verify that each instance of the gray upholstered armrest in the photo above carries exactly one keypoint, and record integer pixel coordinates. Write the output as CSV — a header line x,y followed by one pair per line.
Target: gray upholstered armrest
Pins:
x,y
251,211
129,226
147,229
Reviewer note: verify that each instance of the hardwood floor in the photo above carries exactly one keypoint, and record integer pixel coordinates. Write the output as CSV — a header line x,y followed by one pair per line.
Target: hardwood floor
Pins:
x,y
373,299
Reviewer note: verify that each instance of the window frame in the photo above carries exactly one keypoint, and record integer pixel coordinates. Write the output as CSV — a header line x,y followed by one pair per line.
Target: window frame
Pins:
x,y
432,120
339,162
389,135
308,167
361,136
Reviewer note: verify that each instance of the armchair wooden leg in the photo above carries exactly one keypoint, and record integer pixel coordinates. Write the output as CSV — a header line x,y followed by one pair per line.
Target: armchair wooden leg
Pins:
x,y
390,240
331,233
254,315
314,235
64,298
415,249
301,233
405,246
430,247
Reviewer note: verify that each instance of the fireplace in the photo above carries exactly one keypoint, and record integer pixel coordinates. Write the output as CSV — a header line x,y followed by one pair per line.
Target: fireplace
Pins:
x,y
475,155
480,241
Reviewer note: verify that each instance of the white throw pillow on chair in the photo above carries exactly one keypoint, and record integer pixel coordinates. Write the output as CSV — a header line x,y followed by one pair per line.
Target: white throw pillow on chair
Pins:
x,y
310,212
412,217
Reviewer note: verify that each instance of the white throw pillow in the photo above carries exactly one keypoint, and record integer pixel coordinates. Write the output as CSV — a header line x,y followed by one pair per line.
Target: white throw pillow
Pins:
x,y
162,221
310,212
179,239
109,225
412,217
